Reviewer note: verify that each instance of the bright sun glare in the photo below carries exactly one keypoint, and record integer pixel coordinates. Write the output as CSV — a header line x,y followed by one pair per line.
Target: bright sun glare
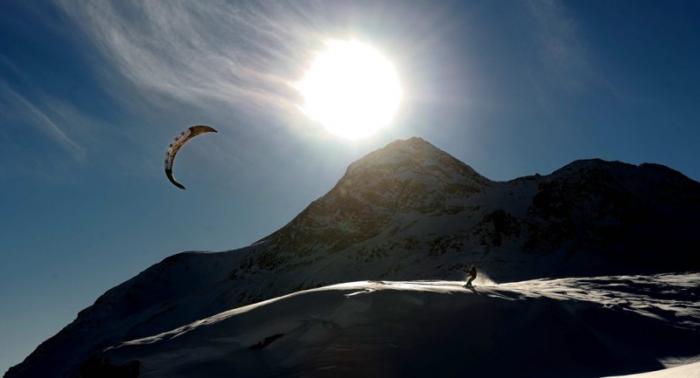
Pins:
x,y
351,89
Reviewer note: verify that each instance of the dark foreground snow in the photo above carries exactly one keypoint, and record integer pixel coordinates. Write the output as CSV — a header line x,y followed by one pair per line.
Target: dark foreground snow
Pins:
x,y
571,327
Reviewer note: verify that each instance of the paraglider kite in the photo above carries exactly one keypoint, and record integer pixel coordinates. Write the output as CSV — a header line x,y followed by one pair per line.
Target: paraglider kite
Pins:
x,y
180,141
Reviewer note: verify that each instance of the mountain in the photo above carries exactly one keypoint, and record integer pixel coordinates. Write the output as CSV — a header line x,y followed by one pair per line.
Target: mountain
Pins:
x,y
409,211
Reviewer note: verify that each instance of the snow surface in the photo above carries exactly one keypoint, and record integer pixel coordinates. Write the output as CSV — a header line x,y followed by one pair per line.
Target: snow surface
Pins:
x,y
684,371
573,327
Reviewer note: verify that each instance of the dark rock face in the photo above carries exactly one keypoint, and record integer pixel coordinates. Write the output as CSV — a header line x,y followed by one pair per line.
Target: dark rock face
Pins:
x,y
496,226
623,213
99,367
410,211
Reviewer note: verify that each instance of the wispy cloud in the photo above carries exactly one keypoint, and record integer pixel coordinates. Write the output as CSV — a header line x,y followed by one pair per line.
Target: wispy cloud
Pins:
x,y
562,51
46,121
244,55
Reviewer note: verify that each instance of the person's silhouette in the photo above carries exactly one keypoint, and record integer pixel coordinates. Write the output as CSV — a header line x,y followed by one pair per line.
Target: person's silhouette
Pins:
x,y
472,277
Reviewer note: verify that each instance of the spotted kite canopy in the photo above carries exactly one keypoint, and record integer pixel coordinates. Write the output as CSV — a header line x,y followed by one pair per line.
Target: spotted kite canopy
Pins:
x,y
180,141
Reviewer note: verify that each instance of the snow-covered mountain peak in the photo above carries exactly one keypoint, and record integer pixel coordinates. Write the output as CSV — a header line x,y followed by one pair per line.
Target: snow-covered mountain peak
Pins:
x,y
412,158
406,177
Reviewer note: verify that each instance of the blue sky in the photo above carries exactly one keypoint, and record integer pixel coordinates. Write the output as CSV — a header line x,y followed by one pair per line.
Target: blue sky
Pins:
x,y
91,93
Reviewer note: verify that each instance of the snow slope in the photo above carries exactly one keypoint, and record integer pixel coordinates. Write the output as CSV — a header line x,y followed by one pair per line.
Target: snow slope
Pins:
x,y
409,211
684,371
573,327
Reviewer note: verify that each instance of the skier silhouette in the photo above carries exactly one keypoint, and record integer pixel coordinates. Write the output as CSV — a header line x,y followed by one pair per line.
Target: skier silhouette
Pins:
x,y
472,277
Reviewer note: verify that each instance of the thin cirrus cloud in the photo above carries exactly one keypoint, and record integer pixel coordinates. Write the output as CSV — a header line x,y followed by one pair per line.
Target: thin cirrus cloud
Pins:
x,y
565,62
562,50
43,120
246,55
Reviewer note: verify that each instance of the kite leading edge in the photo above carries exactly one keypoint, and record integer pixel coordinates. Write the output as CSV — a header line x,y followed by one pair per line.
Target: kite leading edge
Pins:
x,y
180,141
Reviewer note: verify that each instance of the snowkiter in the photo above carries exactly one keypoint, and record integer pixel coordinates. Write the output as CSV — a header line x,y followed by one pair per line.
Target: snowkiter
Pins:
x,y
472,276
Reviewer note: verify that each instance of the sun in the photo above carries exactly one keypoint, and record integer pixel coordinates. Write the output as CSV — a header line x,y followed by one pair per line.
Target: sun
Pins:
x,y
351,89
